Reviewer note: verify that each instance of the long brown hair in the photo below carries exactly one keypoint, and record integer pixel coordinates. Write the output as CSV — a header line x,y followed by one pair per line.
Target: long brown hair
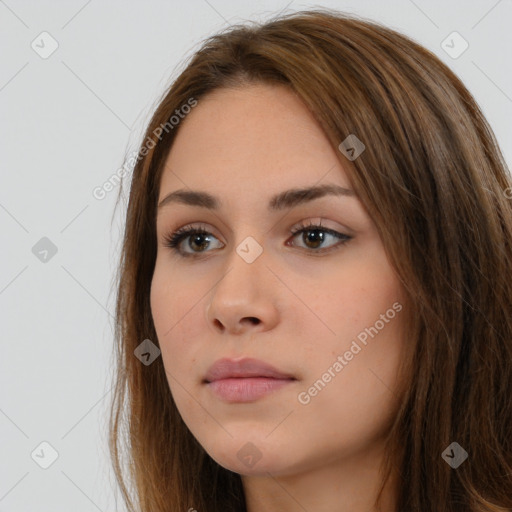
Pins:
x,y
434,182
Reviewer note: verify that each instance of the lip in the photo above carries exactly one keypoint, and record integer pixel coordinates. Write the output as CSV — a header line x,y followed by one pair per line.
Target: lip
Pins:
x,y
243,368
245,380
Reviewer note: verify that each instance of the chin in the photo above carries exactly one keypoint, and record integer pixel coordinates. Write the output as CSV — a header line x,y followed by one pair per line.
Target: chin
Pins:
x,y
251,459
260,468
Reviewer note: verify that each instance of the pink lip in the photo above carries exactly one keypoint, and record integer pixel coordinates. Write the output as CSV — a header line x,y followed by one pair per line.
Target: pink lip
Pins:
x,y
246,389
243,368
244,380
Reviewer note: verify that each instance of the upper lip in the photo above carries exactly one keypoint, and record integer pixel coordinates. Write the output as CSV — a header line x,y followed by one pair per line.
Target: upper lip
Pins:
x,y
243,368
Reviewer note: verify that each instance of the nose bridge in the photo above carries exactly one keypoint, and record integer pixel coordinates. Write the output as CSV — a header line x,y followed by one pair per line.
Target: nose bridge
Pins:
x,y
245,264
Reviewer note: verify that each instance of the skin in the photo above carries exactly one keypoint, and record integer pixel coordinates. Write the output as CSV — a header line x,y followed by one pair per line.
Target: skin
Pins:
x,y
245,145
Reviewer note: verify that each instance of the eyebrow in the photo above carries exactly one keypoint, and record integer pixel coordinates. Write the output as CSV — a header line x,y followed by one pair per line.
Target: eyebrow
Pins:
x,y
284,200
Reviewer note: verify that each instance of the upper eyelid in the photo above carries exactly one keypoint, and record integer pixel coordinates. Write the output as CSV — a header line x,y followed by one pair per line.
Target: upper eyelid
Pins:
x,y
316,221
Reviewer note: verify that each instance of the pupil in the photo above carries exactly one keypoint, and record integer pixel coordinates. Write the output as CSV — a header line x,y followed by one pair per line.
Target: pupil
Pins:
x,y
197,238
316,238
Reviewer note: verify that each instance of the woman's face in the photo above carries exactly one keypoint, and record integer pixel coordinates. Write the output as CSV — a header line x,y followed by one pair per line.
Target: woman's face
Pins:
x,y
322,306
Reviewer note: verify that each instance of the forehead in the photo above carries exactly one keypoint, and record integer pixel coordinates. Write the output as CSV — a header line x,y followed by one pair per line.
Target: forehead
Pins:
x,y
254,136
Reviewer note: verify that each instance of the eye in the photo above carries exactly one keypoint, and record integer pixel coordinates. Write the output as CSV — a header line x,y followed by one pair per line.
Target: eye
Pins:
x,y
197,237
313,235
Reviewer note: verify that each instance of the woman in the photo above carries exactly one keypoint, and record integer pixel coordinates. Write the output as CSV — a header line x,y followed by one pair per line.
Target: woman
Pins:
x,y
314,305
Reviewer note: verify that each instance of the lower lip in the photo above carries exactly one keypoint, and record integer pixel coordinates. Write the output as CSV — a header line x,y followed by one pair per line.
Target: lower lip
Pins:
x,y
246,389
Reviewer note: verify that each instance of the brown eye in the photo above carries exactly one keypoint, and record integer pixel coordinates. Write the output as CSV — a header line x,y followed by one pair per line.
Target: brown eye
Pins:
x,y
196,240
314,236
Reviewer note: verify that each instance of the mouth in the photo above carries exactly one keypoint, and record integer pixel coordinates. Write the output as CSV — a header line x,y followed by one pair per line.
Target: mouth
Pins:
x,y
245,380
246,389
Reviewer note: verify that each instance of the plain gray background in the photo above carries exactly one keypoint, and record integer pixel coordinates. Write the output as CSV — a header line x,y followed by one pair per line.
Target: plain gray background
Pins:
x,y
67,122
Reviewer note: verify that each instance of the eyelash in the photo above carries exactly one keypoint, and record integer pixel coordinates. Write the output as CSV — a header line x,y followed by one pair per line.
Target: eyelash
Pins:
x,y
173,240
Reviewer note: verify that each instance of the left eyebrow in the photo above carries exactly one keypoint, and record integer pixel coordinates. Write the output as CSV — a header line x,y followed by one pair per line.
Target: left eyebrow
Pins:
x,y
281,201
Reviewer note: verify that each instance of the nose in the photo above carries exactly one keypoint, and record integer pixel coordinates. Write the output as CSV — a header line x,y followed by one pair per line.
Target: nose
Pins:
x,y
244,299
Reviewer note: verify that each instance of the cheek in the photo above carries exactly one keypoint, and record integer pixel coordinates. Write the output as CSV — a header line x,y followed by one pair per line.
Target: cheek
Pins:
x,y
175,310
162,302
355,299
365,310
354,405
